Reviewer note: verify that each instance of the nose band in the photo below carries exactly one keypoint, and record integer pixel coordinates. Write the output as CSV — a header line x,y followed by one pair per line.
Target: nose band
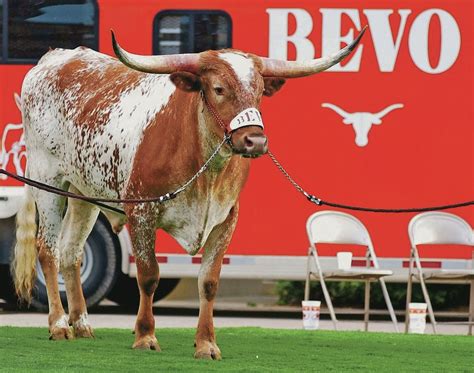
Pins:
x,y
247,117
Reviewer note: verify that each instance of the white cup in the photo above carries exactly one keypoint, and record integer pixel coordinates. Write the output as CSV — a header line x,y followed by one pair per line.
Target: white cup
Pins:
x,y
311,311
344,260
417,317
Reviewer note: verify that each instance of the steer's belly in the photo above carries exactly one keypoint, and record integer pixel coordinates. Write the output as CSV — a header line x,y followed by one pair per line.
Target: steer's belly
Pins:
x,y
191,223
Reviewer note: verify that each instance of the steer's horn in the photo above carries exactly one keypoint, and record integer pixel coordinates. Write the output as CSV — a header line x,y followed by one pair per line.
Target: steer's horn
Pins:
x,y
387,110
165,64
296,69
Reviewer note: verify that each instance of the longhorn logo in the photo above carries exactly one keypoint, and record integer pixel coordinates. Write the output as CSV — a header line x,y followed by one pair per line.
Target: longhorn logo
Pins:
x,y
362,121
17,149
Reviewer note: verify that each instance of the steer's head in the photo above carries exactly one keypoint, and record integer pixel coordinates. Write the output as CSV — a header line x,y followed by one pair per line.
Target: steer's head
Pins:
x,y
231,84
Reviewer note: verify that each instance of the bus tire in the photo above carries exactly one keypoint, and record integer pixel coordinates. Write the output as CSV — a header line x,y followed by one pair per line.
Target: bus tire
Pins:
x,y
7,289
7,240
100,269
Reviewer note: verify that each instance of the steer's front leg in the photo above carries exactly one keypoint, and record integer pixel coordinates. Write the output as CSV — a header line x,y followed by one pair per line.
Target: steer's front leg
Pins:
x,y
142,233
214,250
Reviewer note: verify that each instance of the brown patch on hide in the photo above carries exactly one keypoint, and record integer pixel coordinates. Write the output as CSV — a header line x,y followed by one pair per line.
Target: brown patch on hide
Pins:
x,y
99,89
210,289
169,152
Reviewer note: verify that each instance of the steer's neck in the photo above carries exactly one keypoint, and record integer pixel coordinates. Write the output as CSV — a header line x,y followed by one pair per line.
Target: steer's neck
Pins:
x,y
175,145
210,136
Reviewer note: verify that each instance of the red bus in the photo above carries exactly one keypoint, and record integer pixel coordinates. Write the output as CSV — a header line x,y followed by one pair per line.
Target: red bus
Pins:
x,y
390,127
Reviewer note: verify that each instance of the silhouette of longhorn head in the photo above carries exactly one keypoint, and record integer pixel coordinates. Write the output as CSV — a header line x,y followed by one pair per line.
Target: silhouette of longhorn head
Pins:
x,y
362,121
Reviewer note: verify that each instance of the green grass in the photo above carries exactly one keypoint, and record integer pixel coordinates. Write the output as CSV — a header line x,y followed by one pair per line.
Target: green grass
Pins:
x,y
243,350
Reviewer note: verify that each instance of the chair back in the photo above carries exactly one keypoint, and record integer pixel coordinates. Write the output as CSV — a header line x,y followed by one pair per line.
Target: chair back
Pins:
x,y
336,227
439,228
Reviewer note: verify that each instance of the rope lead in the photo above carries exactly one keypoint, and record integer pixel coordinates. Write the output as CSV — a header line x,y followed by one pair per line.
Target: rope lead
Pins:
x,y
312,198
171,195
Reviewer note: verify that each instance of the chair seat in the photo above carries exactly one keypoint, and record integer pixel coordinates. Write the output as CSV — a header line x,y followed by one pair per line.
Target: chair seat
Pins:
x,y
357,273
449,274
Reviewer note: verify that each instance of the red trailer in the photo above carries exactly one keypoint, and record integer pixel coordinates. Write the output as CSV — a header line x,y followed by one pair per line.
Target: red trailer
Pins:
x,y
391,127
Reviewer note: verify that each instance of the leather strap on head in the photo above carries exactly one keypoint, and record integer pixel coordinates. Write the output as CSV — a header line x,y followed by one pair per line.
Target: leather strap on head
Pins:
x,y
247,117
215,114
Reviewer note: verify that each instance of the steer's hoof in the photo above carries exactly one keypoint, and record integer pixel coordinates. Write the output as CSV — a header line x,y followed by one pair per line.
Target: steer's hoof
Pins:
x,y
83,331
81,327
148,342
59,328
58,333
207,350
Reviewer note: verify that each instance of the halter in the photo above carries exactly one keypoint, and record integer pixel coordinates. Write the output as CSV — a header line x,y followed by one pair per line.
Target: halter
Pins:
x,y
247,117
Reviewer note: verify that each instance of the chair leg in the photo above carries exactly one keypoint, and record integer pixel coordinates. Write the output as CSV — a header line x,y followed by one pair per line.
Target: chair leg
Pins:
x,y
367,305
306,287
308,276
409,294
388,302
327,297
471,308
428,302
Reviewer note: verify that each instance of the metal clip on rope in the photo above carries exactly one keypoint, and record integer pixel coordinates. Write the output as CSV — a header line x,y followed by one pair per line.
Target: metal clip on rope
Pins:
x,y
312,198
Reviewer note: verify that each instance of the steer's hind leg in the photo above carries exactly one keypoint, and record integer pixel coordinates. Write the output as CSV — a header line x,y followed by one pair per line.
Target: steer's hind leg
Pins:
x,y
142,233
208,281
77,224
50,209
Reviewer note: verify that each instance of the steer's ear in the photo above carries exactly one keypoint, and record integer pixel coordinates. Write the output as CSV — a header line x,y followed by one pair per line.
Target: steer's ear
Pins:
x,y
186,81
272,85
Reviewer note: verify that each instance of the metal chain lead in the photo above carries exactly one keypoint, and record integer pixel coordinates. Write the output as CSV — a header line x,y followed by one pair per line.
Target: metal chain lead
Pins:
x,y
310,197
100,201
204,166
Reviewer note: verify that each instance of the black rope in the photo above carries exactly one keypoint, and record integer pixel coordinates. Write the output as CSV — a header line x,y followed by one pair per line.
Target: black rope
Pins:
x,y
310,197
52,189
321,202
100,201
318,201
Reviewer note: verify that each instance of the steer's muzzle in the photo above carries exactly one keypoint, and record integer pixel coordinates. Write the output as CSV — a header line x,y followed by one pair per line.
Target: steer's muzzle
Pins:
x,y
249,142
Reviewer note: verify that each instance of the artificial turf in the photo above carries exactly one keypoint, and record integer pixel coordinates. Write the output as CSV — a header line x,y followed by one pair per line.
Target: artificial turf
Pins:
x,y
243,350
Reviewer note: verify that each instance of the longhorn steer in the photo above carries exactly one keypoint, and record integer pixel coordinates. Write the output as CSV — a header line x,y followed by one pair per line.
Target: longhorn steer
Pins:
x,y
99,128
362,121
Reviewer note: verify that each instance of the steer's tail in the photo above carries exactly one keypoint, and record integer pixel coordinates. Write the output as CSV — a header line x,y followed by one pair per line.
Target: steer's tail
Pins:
x,y
23,266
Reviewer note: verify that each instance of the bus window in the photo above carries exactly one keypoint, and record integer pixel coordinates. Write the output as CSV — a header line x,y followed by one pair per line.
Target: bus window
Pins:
x,y
35,26
184,31
1,31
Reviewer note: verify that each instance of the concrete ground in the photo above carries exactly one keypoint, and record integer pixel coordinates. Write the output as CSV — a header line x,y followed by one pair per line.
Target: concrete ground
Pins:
x,y
168,321
239,304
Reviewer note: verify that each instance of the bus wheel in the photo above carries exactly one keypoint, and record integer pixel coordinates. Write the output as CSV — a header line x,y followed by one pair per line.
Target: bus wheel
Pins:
x,y
7,289
99,269
7,240
127,295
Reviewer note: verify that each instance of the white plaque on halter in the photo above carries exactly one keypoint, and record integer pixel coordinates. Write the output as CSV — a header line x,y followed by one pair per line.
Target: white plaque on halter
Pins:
x,y
247,117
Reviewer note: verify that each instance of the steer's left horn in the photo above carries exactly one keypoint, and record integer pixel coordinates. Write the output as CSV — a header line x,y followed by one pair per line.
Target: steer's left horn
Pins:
x,y
296,69
165,64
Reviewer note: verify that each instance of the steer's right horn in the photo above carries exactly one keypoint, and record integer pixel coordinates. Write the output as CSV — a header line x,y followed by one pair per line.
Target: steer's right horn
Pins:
x,y
165,64
296,69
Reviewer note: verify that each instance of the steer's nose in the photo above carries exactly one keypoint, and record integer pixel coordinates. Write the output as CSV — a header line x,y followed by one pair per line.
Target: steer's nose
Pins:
x,y
255,144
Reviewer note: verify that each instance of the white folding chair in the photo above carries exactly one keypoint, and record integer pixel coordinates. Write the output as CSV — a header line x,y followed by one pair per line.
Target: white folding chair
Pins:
x,y
335,227
438,228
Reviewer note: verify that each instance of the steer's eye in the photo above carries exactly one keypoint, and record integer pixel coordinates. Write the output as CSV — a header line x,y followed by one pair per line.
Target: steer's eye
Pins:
x,y
219,91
